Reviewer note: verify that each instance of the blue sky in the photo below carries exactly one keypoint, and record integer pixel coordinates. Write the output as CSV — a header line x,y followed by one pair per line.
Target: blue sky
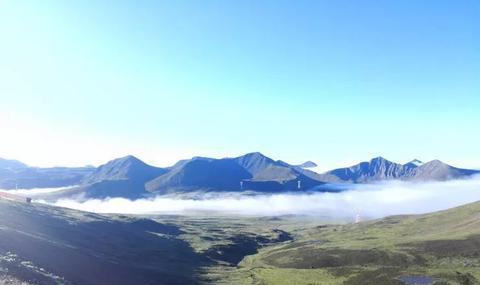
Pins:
x,y
331,81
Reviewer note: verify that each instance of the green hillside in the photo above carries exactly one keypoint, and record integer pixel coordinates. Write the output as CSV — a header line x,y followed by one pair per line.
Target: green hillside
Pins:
x,y
443,247
42,244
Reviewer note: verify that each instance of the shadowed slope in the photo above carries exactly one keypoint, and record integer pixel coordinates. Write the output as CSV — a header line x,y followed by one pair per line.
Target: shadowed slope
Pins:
x,y
47,245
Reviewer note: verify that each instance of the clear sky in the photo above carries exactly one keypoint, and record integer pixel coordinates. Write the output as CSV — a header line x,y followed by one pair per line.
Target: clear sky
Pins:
x,y
335,82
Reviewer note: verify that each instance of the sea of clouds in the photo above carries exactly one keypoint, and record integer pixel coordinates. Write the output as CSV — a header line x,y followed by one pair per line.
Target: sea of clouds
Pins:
x,y
367,200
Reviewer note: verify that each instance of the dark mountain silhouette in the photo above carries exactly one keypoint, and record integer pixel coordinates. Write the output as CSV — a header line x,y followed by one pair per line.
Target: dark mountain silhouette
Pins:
x,y
122,177
200,173
124,168
379,169
252,171
270,175
262,168
376,169
130,177
256,163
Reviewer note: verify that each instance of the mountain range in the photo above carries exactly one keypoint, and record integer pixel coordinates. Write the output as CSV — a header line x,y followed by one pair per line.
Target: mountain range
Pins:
x,y
380,168
130,177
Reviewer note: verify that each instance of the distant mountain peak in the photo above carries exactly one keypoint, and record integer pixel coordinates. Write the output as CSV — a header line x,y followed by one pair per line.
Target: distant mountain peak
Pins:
x,y
415,162
127,167
127,158
379,159
254,157
381,169
255,154
201,158
435,163
307,164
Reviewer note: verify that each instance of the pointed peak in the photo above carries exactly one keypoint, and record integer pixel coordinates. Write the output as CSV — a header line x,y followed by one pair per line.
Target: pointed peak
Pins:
x,y
127,158
378,159
435,164
124,161
415,162
254,156
130,157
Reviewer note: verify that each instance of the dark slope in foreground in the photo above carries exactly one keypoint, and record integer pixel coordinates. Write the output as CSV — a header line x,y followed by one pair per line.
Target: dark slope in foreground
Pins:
x,y
48,245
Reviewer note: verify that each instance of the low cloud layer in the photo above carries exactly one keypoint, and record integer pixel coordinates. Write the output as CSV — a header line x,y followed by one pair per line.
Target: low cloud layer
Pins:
x,y
35,191
370,201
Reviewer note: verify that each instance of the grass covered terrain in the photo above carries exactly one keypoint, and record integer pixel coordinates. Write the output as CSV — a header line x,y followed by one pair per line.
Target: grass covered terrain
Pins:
x,y
443,247
42,244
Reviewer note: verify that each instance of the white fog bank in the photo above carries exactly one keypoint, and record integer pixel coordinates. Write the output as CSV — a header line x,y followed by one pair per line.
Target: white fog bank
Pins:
x,y
370,201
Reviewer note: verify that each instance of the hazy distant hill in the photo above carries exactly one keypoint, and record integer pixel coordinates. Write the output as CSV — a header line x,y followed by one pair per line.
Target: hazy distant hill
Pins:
x,y
308,164
437,170
11,164
14,174
379,169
